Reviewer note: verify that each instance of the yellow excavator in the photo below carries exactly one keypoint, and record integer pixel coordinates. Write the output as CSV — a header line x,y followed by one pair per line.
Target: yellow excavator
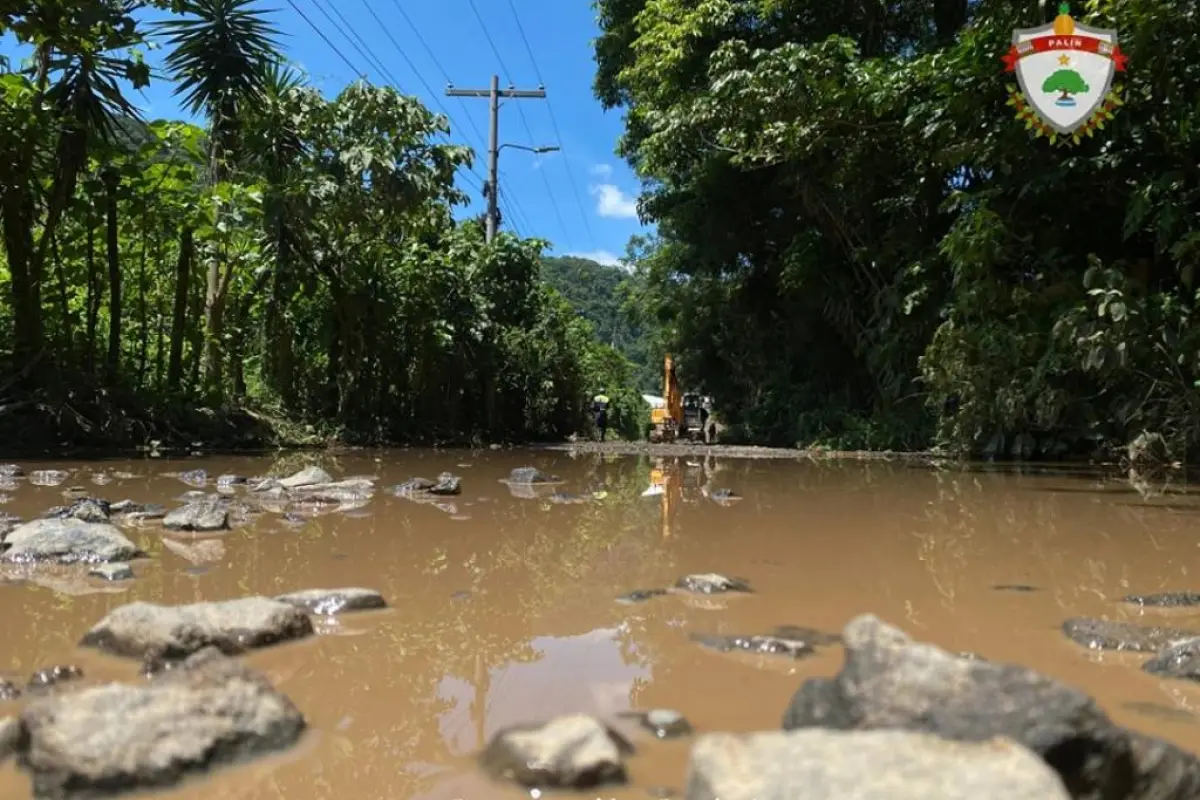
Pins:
x,y
679,414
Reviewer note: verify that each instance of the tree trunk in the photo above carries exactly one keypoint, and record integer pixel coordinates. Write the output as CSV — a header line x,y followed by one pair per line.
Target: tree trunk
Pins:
x,y
279,335
183,272
64,304
93,292
214,329
113,362
144,312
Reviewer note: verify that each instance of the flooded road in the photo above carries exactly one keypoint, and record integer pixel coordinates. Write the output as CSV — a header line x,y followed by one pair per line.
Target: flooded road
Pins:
x,y
503,602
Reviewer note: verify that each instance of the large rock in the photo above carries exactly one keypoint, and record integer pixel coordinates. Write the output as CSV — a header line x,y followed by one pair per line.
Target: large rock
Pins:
x,y
334,601
865,765
67,541
205,515
118,738
888,681
306,477
144,630
576,751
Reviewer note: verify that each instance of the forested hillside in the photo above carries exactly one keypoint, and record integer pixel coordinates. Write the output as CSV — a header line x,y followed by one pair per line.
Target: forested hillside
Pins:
x,y
296,257
860,243
601,295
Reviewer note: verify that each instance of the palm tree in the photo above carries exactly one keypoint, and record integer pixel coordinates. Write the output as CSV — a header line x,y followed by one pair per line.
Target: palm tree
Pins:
x,y
220,57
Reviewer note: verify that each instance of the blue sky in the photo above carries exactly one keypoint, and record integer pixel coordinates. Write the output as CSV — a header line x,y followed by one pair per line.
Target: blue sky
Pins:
x,y
582,199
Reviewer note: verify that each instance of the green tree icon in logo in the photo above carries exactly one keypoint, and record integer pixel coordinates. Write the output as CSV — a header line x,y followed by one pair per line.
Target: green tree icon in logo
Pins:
x,y
1067,82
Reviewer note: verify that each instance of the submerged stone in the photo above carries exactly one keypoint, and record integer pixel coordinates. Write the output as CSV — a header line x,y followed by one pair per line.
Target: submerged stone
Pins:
x,y
640,595
1165,599
50,677
1180,660
711,583
757,645
529,475
446,485
664,723
117,571
334,601
571,752
1097,634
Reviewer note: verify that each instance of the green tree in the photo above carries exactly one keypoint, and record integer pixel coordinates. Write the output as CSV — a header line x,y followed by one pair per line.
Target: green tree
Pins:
x,y
1066,81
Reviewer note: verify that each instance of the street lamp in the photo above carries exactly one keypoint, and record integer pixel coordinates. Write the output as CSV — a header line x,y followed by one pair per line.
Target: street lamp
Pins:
x,y
534,150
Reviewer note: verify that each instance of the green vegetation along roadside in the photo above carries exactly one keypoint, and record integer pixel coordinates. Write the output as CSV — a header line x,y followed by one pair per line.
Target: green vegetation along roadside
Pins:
x,y
289,273
859,244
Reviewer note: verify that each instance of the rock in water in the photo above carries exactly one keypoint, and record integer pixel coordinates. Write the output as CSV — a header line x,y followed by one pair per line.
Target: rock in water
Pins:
x,y
447,484
572,752
109,739
306,477
203,515
711,583
118,571
1165,599
1180,660
67,541
756,645
50,677
47,477
528,475
173,632
888,681
334,601
869,765
664,723
85,509
1098,634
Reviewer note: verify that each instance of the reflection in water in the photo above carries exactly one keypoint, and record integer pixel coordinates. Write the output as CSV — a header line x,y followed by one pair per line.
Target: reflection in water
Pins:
x,y
510,615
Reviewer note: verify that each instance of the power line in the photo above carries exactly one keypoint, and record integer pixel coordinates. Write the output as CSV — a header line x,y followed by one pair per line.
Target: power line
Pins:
x,y
478,184
554,123
353,70
433,57
371,58
524,121
374,62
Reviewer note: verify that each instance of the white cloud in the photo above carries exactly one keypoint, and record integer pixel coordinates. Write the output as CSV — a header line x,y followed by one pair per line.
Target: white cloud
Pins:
x,y
604,257
601,170
612,202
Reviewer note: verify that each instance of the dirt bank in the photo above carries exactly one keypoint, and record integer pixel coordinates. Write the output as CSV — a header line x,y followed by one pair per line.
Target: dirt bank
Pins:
x,y
733,451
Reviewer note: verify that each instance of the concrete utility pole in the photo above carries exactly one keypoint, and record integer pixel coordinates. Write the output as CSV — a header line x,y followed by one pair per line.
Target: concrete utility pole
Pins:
x,y
494,94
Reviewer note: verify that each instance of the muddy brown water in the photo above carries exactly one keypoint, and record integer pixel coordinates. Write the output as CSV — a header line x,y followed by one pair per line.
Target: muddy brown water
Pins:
x,y
503,608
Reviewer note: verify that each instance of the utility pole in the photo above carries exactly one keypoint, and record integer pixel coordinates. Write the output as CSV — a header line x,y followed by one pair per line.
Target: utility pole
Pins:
x,y
494,94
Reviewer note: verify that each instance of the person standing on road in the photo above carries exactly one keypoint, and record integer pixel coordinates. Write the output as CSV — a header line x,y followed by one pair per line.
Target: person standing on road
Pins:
x,y
600,409
704,420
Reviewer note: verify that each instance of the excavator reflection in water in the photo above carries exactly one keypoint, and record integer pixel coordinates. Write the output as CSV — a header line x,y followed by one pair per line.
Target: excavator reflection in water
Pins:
x,y
676,481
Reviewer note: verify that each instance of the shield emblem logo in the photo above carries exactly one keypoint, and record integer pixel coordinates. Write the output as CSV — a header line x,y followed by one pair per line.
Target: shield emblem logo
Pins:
x,y
1065,72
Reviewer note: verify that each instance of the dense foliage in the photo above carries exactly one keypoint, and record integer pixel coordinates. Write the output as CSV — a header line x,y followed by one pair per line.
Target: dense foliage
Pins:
x,y
859,242
297,254
600,293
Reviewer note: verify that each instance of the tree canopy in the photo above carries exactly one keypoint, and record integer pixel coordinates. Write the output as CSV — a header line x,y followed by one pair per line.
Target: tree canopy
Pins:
x,y
860,244
297,256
